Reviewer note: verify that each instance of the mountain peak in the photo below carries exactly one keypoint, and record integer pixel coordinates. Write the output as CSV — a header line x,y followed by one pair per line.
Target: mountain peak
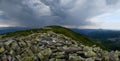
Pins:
x,y
52,43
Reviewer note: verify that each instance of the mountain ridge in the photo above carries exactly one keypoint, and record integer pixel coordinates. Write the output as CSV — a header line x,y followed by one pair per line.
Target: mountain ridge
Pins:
x,y
52,43
57,29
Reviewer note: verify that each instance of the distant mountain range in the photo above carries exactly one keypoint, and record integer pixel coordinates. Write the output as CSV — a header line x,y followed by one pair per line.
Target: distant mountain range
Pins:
x,y
110,38
11,29
98,33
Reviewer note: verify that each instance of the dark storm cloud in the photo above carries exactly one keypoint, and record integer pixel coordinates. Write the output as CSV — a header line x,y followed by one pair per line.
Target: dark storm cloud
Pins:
x,y
37,13
27,14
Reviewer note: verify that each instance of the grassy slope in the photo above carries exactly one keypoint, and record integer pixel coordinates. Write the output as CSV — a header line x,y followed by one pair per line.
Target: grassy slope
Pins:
x,y
57,29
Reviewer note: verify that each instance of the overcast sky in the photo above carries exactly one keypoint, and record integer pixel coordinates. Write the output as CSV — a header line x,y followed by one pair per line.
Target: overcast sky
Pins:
x,y
103,14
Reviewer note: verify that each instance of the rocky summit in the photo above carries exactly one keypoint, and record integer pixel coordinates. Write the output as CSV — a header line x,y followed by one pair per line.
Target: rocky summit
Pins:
x,y
50,46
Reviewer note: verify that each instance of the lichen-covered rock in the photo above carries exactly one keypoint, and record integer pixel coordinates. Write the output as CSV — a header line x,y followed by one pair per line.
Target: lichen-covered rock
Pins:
x,y
8,42
74,57
2,49
90,59
45,54
90,54
59,59
27,58
59,55
52,59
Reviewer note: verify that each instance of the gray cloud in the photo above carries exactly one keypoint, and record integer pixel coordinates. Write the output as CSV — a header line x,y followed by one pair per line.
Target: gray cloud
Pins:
x,y
36,13
110,2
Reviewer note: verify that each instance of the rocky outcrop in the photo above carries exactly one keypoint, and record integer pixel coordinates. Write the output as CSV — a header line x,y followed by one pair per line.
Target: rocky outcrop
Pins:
x,y
50,46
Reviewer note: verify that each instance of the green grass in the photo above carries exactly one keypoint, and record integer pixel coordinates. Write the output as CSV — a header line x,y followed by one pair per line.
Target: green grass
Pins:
x,y
60,30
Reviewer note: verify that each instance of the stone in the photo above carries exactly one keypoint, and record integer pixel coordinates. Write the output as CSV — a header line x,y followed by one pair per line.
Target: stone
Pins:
x,y
52,59
45,54
8,42
2,49
74,57
18,57
59,54
27,59
59,59
89,59
90,54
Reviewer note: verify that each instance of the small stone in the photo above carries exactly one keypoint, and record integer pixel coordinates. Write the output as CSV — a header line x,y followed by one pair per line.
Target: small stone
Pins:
x,y
52,59
8,42
27,59
18,57
90,54
45,54
2,49
60,60
89,59
74,57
